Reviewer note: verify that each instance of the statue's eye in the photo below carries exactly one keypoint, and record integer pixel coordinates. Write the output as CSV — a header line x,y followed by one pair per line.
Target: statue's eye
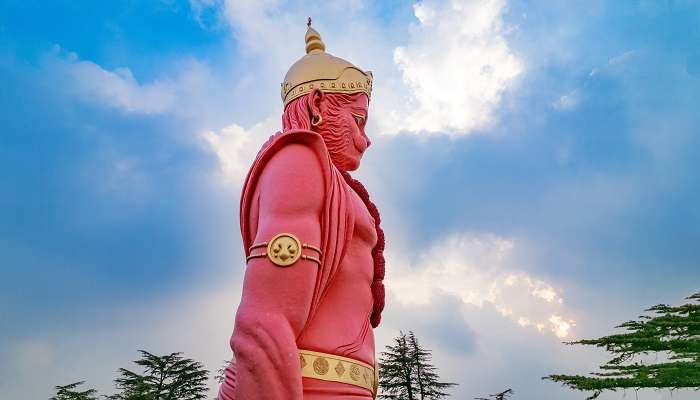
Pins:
x,y
359,119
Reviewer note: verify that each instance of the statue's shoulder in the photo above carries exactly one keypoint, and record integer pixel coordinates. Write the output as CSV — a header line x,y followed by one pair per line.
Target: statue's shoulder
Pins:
x,y
302,137
296,158
295,148
289,175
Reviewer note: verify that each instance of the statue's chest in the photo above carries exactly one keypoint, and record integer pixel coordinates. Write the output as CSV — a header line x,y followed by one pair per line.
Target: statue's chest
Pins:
x,y
364,230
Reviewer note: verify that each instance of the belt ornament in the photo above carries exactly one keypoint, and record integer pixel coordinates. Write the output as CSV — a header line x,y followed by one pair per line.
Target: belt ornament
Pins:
x,y
329,367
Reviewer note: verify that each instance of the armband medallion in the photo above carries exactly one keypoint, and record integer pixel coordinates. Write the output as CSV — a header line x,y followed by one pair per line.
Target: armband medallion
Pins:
x,y
284,249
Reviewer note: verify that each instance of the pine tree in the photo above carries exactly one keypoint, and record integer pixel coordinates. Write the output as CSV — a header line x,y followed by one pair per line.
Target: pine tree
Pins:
x,y
671,333
426,374
70,392
406,372
497,396
396,371
220,376
168,377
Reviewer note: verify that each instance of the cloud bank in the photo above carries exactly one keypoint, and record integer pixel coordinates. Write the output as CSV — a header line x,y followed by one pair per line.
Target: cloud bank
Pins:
x,y
479,270
455,66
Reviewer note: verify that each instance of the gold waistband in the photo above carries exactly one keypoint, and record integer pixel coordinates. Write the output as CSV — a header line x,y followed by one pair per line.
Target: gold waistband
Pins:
x,y
329,367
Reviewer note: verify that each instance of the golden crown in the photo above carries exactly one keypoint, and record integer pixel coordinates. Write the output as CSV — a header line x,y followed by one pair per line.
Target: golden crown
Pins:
x,y
318,69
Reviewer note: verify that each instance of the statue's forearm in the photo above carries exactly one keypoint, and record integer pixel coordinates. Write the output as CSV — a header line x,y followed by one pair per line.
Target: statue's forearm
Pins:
x,y
270,317
267,361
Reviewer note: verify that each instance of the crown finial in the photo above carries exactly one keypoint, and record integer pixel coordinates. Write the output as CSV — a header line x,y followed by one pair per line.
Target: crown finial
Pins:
x,y
314,43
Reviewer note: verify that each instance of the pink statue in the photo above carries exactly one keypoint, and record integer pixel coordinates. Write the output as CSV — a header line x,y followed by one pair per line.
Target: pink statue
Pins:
x,y
313,283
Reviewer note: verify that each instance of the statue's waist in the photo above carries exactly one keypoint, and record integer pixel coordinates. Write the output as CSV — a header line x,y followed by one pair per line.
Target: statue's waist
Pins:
x,y
334,368
341,324
350,336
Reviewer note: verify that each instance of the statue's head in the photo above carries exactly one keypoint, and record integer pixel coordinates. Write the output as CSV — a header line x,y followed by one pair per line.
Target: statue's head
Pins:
x,y
328,95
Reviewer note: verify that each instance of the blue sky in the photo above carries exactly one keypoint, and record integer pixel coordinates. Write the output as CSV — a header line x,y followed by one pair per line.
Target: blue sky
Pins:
x,y
535,164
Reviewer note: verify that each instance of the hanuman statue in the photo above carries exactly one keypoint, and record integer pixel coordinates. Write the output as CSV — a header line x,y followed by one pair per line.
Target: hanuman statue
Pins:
x,y
312,291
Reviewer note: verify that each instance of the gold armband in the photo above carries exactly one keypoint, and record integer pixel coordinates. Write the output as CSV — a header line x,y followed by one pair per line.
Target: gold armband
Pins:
x,y
284,250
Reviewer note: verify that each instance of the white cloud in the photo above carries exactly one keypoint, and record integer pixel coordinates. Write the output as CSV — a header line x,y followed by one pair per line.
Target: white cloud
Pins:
x,y
236,147
622,58
117,88
480,271
568,101
455,68
274,31
447,77
263,29
559,326
189,89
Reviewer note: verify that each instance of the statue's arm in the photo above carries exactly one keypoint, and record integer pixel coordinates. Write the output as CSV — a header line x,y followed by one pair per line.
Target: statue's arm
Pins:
x,y
276,300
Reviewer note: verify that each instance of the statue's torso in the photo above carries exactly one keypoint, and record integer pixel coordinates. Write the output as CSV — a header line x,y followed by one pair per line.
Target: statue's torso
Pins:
x,y
341,325
340,322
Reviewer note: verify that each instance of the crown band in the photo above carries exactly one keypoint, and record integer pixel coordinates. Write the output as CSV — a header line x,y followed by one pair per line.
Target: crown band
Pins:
x,y
351,81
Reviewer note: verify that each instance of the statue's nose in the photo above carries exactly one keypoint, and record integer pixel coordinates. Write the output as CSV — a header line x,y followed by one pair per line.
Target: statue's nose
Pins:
x,y
361,143
284,256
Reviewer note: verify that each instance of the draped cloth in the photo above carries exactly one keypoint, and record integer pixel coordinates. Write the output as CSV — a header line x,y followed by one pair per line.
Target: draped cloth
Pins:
x,y
337,219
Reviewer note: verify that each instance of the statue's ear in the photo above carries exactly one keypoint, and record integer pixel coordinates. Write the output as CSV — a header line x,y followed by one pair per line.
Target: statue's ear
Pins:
x,y
315,98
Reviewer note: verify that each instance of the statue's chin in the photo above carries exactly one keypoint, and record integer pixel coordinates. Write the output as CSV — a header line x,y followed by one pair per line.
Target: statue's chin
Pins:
x,y
353,167
347,163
